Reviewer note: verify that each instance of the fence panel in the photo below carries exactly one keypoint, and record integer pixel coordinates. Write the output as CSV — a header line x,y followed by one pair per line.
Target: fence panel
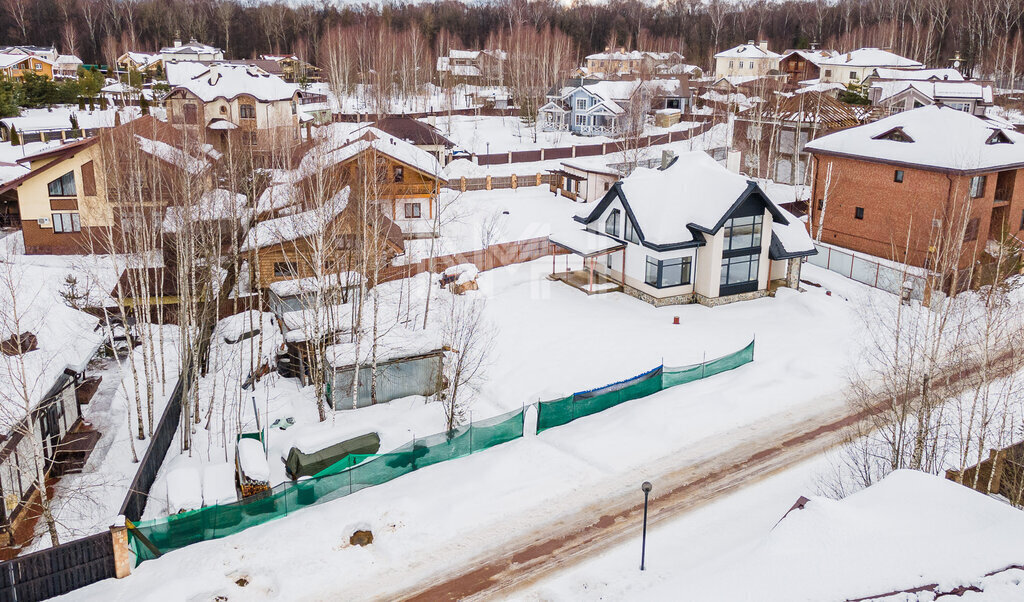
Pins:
x,y
526,156
562,411
59,570
561,152
213,522
589,150
492,159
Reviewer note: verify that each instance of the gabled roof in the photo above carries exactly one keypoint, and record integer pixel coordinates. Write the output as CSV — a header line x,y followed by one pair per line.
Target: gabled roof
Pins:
x,y
334,151
229,81
941,138
673,208
293,227
811,108
817,57
871,57
944,74
413,131
935,90
191,47
747,51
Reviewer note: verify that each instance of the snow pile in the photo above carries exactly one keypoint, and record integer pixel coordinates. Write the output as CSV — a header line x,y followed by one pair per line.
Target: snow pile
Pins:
x,y
464,168
910,529
184,490
253,460
219,484
464,272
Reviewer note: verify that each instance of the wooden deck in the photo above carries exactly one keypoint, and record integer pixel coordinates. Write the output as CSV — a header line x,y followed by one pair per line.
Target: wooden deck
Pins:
x,y
580,280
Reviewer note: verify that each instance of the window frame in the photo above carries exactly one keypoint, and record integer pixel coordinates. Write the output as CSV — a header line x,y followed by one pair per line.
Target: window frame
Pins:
x,y
398,173
976,186
756,234
290,269
684,264
898,176
611,223
66,222
858,213
413,210
246,107
62,184
629,232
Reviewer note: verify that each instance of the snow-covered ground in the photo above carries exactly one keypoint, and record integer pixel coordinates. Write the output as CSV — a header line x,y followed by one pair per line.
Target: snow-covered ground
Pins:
x,y
483,134
716,137
909,530
550,340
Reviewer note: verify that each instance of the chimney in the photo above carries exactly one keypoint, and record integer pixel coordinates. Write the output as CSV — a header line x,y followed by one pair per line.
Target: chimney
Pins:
x,y
177,39
763,45
750,42
666,158
214,73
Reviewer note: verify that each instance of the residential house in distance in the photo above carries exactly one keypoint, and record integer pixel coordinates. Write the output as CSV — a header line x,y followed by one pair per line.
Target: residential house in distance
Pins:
x,y
192,51
584,180
944,74
151,65
63,201
16,65
747,59
293,69
245,102
423,136
284,248
45,52
771,137
902,95
854,66
909,174
480,67
602,107
611,64
689,232
405,182
67,66
803,65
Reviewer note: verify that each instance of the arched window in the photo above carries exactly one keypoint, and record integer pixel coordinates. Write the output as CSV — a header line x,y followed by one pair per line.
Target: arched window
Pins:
x,y
611,223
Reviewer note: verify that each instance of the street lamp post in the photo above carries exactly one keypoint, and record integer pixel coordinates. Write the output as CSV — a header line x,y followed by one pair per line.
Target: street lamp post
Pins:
x,y
646,488
488,157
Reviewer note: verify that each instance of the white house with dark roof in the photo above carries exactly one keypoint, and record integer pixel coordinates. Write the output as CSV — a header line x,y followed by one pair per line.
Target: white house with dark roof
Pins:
x,y
747,59
691,232
854,66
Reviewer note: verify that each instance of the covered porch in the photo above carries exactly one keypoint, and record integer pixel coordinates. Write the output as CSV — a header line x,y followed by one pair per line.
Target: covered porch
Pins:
x,y
589,246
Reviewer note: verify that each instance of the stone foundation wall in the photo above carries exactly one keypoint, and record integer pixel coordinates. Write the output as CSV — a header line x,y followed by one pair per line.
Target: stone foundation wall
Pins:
x,y
691,298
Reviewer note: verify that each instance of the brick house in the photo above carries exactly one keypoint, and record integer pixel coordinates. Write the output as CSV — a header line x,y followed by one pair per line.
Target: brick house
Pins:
x,y
65,203
908,176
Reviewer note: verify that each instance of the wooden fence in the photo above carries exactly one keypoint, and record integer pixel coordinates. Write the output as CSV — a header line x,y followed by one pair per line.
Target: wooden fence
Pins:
x,y
502,182
591,150
494,256
58,570
473,111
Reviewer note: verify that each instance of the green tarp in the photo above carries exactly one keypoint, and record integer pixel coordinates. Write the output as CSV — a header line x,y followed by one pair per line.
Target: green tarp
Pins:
x,y
299,464
561,411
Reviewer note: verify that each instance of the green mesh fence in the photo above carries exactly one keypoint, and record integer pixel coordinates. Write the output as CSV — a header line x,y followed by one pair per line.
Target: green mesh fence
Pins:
x,y
561,411
339,480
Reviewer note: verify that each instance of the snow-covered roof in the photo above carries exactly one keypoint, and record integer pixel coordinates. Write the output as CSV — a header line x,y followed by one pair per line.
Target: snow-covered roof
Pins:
x,y
278,197
945,74
336,149
179,73
816,57
184,489
591,165
60,118
252,460
871,57
584,242
935,90
68,59
173,155
191,47
747,51
300,286
10,60
908,530
672,206
216,204
293,227
395,343
142,59
228,81
819,87
934,136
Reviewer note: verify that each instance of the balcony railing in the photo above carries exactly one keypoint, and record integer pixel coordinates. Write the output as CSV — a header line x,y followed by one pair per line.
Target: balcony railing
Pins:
x,y
1003,195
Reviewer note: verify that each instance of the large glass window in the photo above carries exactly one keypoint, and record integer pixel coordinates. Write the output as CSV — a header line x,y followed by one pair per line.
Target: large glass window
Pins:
x,y
611,223
631,234
668,272
63,186
739,269
743,233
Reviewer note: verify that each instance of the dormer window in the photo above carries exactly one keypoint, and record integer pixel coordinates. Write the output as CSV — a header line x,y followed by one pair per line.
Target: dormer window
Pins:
x,y
895,134
999,137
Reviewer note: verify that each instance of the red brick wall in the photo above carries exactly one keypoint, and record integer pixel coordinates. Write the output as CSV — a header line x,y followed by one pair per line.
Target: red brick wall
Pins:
x,y
892,209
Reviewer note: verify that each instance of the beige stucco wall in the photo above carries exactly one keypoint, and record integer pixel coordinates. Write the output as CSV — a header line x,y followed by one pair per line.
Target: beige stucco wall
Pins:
x,y
34,194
